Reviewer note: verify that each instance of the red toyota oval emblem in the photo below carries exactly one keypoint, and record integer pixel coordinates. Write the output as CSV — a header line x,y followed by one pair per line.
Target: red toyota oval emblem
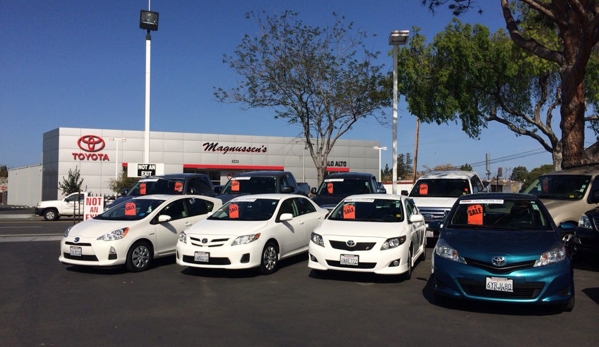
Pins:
x,y
91,143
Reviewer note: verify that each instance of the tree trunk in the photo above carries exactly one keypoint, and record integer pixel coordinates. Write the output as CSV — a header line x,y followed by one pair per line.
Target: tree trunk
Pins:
x,y
572,117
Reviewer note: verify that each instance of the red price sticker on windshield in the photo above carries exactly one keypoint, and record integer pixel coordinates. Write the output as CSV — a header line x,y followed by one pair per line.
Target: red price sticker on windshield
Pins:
x,y
475,214
330,187
142,189
130,209
234,185
179,187
423,190
349,212
234,211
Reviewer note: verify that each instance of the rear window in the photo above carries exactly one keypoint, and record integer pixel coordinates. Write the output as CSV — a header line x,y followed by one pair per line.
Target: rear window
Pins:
x,y
344,187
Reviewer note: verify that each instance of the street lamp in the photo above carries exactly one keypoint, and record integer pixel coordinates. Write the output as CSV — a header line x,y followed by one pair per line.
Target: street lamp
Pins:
x,y
396,38
116,164
380,149
148,21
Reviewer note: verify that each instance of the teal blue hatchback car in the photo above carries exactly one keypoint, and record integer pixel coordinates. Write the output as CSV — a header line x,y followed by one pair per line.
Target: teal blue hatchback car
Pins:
x,y
502,247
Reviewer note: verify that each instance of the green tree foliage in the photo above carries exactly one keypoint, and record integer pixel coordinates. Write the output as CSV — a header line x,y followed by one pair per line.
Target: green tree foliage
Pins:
x,y
466,167
563,35
123,182
72,183
3,171
519,174
387,174
321,79
405,170
536,172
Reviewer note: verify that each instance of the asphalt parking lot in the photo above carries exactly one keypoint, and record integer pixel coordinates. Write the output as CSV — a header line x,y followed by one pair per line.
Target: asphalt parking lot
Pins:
x,y
45,303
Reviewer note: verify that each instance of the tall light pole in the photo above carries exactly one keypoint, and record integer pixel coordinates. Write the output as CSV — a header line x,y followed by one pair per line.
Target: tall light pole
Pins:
x,y
148,21
380,149
396,38
116,164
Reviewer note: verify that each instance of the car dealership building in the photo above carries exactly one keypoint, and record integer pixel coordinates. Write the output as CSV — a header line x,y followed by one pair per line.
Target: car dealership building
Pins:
x,y
102,154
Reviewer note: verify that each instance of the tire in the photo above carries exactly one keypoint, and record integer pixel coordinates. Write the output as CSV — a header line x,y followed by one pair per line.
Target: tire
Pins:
x,y
51,214
270,258
408,274
139,256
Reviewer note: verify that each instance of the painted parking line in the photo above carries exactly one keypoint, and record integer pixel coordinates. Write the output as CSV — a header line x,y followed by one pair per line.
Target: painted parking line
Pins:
x,y
30,237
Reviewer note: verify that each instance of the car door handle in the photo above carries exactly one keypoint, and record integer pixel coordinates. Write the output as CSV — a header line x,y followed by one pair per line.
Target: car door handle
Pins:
x,y
188,224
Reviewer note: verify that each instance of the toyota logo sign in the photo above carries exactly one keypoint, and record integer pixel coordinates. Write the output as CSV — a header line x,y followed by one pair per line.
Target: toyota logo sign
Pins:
x,y
91,143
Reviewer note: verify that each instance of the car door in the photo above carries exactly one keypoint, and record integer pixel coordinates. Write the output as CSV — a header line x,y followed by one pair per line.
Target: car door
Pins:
x,y
73,205
417,230
308,218
167,233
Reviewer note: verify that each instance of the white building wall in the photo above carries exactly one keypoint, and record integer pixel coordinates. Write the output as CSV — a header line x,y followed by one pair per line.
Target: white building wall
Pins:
x,y
24,185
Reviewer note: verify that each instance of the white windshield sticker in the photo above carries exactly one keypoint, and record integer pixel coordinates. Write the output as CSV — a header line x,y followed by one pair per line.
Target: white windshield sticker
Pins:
x,y
243,200
149,180
359,200
241,178
333,180
482,201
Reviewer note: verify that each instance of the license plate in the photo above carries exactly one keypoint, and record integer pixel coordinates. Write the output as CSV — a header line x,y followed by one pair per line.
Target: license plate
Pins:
x,y
349,259
202,257
500,284
75,251
430,233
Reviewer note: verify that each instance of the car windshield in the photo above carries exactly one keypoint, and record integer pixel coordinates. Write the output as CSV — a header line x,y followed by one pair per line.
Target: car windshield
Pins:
x,y
560,187
134,209
368,210
517,214
246,209
343,186
147,186
440,188
250,185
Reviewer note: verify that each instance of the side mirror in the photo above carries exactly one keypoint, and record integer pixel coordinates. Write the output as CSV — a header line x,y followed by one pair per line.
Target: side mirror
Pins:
x,y
416,218
287,189
286,217
124,191
218,189
594,196
163,218
313,191
404,192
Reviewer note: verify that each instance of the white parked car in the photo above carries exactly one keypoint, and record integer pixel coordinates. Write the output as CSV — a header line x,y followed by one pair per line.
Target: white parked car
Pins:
x,y
376,233
134,232
251,231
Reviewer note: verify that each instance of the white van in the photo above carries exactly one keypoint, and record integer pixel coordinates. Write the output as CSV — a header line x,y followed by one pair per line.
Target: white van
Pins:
x,y
435,193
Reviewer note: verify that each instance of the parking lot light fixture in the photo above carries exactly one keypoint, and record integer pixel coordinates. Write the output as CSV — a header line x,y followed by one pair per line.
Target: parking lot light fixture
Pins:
x,y
396,38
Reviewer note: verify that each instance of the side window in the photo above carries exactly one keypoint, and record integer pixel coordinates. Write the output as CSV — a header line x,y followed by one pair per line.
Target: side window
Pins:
x,y
304,206
477,185
594,192
287,207
205,184
194,186
175,209
198,207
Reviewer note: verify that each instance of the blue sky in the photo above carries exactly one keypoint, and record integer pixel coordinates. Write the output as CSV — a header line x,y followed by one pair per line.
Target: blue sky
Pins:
x,y
81,64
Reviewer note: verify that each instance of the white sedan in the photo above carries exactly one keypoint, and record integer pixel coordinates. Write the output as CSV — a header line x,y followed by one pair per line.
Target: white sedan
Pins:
x,y
252,231
134,232
376,233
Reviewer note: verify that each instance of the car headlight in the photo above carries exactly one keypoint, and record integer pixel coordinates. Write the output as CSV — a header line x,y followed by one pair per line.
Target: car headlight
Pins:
x,y
556,254
585,222
183,237
444,250
114,235
66,232
245,239
393,242
317,239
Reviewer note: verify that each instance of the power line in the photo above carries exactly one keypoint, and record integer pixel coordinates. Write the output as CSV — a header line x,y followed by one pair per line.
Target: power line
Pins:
x,y
510,157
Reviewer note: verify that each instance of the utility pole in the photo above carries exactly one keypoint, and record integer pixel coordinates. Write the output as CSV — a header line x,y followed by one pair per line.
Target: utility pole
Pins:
x,y
416,149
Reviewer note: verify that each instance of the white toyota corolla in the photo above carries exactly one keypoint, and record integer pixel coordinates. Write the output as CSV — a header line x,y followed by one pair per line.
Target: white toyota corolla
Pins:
x,y
134,232
377,233
252,231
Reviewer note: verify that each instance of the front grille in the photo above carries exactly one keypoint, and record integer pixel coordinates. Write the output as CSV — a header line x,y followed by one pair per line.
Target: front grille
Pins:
x,y
433,214
196,241
69,243
337,263
523,291
212,261
506,269
82,258
596,222
360,246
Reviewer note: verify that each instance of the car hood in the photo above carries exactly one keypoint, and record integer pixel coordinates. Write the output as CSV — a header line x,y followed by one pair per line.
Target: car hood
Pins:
x,y
434,202
226,227
48,203
474,243
330,227
566,210
328,201
96,228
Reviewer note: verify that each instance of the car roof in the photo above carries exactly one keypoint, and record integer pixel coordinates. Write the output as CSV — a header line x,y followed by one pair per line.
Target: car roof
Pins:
x,y
377,196
448,174
182,175
499,196
350,175
273,196
172,196
267,173
586,170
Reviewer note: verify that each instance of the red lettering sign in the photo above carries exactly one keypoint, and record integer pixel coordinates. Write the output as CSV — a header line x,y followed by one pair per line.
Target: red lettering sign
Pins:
x,y
142,189
234,185
233,211
330,187
130,209
475,214
349,211
423,190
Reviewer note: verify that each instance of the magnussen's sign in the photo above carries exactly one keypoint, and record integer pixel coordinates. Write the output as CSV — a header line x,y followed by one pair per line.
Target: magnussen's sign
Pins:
x,y
216,147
